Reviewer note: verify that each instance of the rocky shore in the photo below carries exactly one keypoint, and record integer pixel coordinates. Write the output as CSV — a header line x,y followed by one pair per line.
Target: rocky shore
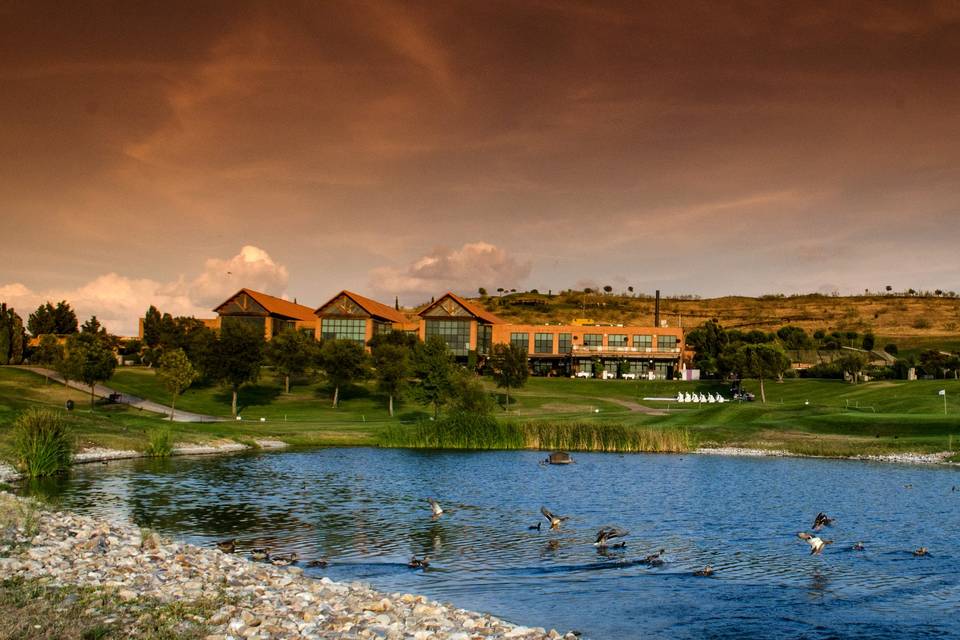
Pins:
x,y
902,458
243,599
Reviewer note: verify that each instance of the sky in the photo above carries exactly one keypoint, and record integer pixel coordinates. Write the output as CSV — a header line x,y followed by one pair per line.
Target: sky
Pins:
x,y
171,152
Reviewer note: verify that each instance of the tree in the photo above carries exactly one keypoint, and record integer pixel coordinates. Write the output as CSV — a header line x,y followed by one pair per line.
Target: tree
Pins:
x,y
891,348
151,327
889,288
344,362
93,327
291,352
762,361
508,367
49,351
852,363
934,363
469,395
482,292
235,358
434,372
607,289
177,374
869,341
630,289
60,320
393,368
793,338
13,339
89,359
707,341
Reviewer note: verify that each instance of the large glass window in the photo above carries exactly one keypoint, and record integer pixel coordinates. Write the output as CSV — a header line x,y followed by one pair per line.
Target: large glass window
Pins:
x,y
484,338
543,343
282,325
308,331
666,343
564,342
344,329
521,340
642,342
456,333
382,327
593,339
617,340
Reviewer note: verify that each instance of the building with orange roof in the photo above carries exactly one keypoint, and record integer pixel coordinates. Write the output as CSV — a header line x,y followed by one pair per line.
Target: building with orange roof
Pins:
x,y
350,316
267,313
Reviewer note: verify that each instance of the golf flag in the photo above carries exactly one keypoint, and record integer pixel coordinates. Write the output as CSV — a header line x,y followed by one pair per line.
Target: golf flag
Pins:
x,y
942,392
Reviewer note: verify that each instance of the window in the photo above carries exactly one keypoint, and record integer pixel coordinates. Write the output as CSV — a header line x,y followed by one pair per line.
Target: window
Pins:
x,y
666,343
309,332
382,327
344,329
617,340
521,340
456,333
543,343
484,338
593,339
565,340
642,342
282,325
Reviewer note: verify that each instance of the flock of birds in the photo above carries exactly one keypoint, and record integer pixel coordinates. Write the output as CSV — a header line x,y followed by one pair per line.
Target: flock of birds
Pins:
x,y
608,537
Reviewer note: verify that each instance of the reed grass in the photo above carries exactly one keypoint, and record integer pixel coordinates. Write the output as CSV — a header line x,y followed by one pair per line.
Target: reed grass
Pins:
x,y
160,443
42,443
483,432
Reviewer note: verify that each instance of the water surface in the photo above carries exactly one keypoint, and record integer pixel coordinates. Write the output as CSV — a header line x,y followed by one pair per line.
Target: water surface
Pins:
x,y
365,511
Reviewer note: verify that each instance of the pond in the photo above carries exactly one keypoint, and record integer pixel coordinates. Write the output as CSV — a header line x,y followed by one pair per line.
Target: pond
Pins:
x,y
365,510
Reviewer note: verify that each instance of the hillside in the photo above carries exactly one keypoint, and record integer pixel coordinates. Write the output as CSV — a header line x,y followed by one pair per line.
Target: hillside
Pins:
x,y
913,318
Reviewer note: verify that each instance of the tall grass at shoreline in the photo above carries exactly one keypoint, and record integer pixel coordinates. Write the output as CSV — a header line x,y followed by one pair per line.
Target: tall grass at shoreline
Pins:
x,y
42,442
160,444
464,431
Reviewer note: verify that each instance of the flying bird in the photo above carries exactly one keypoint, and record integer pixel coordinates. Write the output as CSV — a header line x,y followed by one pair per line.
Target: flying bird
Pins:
x,y
608,533
822,520
435,508
816,544
553,519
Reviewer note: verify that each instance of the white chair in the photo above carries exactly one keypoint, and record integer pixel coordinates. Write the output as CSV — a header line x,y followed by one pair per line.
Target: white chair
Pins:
x,y
703,398
720,398
680,396
687,398
710,398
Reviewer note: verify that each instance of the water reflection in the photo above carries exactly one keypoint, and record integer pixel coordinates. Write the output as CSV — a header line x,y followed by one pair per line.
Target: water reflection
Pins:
x,y
364,511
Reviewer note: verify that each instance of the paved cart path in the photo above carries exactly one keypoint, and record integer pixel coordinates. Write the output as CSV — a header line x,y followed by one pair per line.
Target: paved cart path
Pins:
x,y
103,391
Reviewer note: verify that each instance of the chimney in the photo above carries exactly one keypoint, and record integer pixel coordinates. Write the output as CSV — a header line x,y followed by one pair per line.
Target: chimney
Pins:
x,y
656,310
396,303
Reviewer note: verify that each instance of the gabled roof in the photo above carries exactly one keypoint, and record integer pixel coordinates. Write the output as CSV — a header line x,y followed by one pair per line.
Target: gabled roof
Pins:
x,y
374,308
476,310
274,305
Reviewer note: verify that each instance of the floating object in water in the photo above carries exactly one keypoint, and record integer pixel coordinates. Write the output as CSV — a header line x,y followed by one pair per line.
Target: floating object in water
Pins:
x,y
706,572
607,533
260,553
416,563
559,457
922,551
435,508
821,521
553,519
534,527
320,562
816,544
655,559
285,559
227,546
858,547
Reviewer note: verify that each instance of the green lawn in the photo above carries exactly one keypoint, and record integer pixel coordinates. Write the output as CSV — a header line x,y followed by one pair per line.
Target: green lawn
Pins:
x,y
828,417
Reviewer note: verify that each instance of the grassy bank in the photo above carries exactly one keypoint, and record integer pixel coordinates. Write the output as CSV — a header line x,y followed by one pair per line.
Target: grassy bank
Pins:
x,y
822,417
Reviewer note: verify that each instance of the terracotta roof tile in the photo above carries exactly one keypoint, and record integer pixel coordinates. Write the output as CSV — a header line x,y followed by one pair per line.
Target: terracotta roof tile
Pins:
x,y
374,308
275,305
475,309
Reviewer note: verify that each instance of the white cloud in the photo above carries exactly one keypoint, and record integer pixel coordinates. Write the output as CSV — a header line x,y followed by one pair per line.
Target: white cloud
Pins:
x,y
463,270
119,301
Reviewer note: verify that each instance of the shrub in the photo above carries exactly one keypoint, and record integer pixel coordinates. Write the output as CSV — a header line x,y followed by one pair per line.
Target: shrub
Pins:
x,y
160,443
921,323
42,443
